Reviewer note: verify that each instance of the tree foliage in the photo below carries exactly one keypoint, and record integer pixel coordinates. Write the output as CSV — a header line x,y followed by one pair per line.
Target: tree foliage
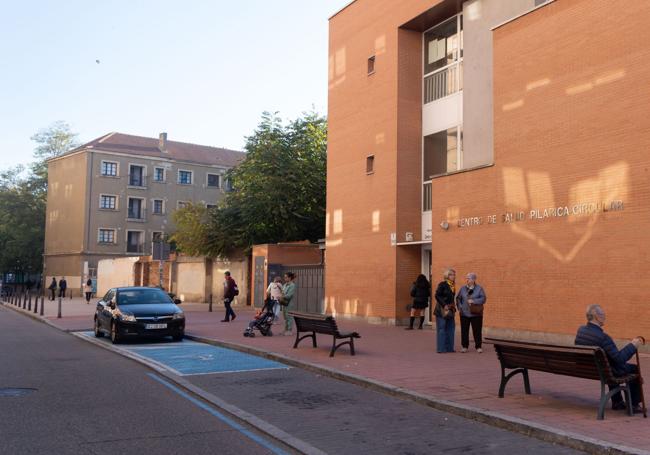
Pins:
x,y
278,192
23,194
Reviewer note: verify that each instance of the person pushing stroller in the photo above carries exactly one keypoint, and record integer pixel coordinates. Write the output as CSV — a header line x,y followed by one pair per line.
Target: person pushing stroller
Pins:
x,y
263,321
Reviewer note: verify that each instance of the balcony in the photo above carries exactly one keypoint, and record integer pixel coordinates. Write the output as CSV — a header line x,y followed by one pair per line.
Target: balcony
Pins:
x,y
137,181
135,248
443,82
135,214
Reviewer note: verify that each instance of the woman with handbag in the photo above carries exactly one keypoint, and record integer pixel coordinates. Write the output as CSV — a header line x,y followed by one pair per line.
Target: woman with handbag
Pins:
x,y
445,311
470,301
420,291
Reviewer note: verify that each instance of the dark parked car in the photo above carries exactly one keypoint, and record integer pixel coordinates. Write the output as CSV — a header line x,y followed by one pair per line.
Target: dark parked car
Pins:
x,y
132,311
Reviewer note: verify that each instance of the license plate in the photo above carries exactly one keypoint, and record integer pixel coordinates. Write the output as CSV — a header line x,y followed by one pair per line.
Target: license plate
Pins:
x,y
155,326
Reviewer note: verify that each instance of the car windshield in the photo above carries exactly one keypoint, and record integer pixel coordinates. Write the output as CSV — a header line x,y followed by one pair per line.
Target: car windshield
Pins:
x,y
142,297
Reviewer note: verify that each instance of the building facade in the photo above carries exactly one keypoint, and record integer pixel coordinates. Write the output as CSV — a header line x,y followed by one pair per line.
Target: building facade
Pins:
x,y
503,138
114,197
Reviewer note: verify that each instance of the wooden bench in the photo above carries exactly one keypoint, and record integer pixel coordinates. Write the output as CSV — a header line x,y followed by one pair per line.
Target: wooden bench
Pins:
x,y
316,323
587,362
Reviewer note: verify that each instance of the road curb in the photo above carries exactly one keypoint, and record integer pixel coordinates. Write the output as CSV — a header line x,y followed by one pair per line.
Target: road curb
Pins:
x,y
38,318
532,429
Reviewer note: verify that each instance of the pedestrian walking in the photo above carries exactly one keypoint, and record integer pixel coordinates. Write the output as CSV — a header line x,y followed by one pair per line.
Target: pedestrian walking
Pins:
x,y
445,311
274,294
470,300
230,290
52,288
420,291
63,285
288,293
88,290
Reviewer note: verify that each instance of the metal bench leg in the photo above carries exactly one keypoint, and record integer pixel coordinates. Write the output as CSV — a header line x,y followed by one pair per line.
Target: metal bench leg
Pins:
x,y
334,347
606,396
300,338
628,400
505,378
351,346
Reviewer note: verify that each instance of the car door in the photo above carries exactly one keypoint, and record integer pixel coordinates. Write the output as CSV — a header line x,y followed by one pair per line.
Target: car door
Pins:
x,y
104,312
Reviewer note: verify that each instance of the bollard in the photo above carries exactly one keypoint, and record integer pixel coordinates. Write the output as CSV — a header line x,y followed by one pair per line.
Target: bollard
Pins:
x,y
210,306
58,314
42,304
29,304
36,304
24,301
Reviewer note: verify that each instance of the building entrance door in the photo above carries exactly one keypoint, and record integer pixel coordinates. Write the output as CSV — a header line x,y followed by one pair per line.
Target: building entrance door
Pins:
x,y
426,271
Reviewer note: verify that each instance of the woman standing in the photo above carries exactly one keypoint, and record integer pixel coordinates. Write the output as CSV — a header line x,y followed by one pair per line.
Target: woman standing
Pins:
x,y
445,311
288,293
420,291
470,300
88,290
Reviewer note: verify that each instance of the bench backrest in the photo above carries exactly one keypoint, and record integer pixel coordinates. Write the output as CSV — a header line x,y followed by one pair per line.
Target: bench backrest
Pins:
x,y
587,362
315,322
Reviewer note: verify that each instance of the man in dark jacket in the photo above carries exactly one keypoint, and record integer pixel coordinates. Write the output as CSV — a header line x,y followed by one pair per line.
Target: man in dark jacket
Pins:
x,y
63,285
229,293
52,289
592,334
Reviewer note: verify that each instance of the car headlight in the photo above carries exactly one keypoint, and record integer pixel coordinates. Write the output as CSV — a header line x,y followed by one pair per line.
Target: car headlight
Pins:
x,y
127,317
180,315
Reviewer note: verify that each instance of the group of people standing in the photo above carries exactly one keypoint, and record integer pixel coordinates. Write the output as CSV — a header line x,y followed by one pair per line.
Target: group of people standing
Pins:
x,y
468,302
280,295
62,286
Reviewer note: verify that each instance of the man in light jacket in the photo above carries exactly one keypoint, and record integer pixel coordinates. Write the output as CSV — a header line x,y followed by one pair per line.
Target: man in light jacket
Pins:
x,y
471,296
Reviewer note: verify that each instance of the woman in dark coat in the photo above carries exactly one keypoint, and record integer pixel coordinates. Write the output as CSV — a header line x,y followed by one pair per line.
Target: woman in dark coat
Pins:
x,y
420,291
445,311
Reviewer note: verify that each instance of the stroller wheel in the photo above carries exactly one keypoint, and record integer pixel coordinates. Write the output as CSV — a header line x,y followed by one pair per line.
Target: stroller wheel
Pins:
x,y
246,334
252,335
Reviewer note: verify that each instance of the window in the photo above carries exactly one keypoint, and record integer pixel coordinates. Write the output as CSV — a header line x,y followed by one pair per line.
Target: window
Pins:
x,y
228,185
214,180
182,204
158,174
371,65
442,152
136,208
106,236
158,207
443,55
370,164
107,202
134,243
109,169
136,175
156,236
185,177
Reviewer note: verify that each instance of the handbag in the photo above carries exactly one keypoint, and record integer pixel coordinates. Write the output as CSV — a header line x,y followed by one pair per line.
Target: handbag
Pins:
x,y
476,309
448,311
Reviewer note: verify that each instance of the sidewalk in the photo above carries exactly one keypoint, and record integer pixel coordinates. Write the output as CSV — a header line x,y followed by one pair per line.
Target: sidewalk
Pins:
x,y
407,359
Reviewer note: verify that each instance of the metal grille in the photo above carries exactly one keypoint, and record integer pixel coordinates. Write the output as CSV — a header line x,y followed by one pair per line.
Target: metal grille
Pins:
x,y
443,83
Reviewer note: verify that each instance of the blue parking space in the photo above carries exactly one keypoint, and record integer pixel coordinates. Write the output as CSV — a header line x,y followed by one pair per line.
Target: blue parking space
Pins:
x,y
189,357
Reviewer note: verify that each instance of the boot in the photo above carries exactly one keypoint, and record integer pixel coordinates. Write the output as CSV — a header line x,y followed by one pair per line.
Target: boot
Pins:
x,y
411,320
421,322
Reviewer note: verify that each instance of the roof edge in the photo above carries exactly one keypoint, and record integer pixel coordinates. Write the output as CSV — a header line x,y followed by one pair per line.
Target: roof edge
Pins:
x,y
341,10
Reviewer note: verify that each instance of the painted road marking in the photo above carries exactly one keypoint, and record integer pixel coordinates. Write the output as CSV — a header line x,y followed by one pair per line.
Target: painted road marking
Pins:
x,y
186,358
228,421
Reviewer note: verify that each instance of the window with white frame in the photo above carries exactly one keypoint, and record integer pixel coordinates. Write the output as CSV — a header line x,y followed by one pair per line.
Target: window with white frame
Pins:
x,y
109,168
443,55
214,180
159,174
107,202
158,207
106,235
443,152
185,177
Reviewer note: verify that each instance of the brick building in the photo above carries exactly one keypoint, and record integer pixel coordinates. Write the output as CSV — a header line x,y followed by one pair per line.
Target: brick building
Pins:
x,y
505,138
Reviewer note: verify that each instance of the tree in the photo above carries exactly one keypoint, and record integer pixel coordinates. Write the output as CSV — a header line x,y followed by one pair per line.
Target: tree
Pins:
x,y
278,192
22,202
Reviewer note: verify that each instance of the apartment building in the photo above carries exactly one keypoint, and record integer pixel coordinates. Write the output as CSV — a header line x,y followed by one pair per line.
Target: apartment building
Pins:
x,y
114,196
506,138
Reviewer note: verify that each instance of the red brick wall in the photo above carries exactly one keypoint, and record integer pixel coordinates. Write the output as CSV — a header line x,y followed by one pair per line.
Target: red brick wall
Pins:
x,y
571,125
378,115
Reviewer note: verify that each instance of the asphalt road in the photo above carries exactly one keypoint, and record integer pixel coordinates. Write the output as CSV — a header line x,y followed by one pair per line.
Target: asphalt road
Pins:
x,y
62,395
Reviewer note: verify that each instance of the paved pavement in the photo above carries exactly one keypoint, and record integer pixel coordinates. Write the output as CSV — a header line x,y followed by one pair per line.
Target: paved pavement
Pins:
x,y
61,395
408,360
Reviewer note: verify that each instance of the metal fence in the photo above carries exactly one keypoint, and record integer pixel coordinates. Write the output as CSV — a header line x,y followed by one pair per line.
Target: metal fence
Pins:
x,y
310,286
443,83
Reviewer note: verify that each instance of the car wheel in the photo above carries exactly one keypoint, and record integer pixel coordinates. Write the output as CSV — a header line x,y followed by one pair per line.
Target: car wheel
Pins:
x,y
115,337
178,337
98,330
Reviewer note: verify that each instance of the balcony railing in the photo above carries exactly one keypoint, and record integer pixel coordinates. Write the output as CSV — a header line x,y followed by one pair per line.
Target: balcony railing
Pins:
x,y
135,248
137,215
139,181
426,197
443,82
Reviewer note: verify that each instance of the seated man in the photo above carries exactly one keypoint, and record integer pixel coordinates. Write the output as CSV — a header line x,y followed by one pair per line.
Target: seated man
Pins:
x,y
592,334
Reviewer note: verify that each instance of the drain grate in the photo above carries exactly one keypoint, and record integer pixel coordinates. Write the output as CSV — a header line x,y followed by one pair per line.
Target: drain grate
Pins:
x,y
15,392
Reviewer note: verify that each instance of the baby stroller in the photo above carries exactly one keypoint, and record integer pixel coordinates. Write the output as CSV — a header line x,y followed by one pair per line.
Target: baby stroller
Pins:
x,y
262,321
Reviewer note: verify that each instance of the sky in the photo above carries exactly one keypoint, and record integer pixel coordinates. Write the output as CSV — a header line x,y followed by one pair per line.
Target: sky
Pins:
x,y
201,70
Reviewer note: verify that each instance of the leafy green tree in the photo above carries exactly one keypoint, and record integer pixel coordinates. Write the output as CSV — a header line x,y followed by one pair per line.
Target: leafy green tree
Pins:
x,y
278,192
52,141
